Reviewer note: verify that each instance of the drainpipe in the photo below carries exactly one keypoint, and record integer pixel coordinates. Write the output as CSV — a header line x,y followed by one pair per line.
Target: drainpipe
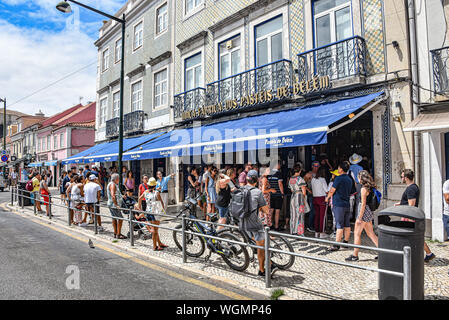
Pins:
x,y
415,89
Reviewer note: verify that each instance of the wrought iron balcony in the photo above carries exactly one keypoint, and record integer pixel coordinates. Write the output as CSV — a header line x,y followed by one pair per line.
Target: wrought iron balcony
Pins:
x,y
267,77
440,59
134,122
339,60
112,128
187,101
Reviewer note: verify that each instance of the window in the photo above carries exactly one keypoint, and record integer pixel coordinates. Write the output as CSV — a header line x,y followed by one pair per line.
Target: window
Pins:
x,y
61,140
103,106
269,41
191,5
333,21
193,72
116,105
105,60
229,52
161,19
136,96
138,35
43,145
160,88
55,142
39,145
118,50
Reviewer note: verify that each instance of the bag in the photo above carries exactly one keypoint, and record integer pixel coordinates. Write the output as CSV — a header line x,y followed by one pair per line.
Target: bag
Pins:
x,y
240,205
373,200
29,185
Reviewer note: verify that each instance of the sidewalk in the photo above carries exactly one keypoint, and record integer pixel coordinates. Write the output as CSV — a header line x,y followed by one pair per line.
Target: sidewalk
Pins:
x,y
307,279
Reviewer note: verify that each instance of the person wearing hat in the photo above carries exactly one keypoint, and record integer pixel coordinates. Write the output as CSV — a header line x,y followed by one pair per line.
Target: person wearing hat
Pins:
x,y
354,170
151,197
115,203
252,224
92,195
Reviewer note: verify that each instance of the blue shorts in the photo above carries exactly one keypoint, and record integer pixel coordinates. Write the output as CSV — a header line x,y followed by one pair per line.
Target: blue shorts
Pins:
x,y
256,235
222,211
446,223
342,217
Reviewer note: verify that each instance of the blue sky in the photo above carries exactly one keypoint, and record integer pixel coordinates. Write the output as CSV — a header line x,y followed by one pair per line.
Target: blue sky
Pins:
x,y
44,45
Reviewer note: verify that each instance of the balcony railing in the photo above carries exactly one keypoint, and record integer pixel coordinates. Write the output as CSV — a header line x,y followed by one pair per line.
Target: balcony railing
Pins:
x,y
134,122
267,77
440,62
189,101
112,128
339,60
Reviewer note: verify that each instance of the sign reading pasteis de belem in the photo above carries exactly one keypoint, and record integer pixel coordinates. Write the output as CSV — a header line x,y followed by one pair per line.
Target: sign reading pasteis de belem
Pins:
x,y
315,84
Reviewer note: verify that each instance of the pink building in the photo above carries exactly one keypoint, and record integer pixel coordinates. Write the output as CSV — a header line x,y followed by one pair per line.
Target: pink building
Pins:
x,y
65,134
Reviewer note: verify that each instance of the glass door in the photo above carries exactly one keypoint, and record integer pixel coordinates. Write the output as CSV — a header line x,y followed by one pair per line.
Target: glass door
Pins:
x,y
333,23
230,64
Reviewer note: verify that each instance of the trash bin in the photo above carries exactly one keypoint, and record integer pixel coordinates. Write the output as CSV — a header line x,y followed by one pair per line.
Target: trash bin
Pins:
x,y
396,235
24,196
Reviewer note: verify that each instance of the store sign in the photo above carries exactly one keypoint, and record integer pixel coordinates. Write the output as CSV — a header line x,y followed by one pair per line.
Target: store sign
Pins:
x,y
316,84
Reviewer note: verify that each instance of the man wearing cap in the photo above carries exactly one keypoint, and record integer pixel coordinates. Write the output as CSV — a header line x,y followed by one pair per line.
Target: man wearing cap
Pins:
x,y
92,195
252,224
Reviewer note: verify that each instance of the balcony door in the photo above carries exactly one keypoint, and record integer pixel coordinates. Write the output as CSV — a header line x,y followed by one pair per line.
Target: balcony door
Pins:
x,y
230,65
193,72
333,23
269,46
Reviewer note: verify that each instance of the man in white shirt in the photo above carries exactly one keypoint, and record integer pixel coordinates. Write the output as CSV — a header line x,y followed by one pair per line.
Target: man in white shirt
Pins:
x,y
92,195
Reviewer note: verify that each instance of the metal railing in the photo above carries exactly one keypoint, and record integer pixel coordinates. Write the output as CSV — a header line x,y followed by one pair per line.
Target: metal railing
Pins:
x,y
133,122
112,128
268,249
440,65
342,59
267,77
188,101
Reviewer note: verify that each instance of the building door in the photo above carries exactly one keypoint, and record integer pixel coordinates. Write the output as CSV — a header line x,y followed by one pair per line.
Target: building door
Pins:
x,y
230,64
446,153
333,23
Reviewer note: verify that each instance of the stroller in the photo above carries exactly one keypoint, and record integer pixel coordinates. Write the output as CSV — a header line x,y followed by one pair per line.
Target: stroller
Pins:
x,y
140,228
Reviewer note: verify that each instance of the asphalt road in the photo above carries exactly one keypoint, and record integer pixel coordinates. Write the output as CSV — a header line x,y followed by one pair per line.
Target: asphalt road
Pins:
x,y
37,263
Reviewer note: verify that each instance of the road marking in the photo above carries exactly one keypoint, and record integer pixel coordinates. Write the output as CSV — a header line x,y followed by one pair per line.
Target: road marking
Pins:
x,y
144,263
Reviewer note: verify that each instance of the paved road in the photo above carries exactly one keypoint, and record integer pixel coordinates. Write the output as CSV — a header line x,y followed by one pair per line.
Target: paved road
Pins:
x,y
34,258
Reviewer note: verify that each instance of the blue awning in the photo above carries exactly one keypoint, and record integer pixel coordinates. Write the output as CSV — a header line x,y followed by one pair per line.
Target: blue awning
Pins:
x,y
51,163
292,128
35,164
109,152
79,157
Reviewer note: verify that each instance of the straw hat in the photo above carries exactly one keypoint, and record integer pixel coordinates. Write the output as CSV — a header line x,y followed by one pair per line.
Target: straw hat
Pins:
x,y
355,158
152,182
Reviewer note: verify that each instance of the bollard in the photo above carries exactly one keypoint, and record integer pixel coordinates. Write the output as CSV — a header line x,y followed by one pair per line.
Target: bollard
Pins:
x,y
267,259
23,202
34,202
131,227
407,294
184,242
12,195
49,206
95,218
68,211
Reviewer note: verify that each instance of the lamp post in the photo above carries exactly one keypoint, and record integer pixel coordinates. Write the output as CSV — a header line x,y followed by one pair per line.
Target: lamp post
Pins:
x,y
4,129
64,7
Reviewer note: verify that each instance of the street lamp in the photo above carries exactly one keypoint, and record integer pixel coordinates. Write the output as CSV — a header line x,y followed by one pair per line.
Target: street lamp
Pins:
x,y
4,130
64,7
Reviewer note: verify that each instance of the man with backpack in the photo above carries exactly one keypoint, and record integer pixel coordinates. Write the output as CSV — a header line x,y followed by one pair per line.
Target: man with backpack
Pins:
x,y
246,203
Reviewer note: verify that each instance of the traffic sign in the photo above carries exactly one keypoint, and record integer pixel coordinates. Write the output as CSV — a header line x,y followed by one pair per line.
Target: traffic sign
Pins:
x,y
4,152
4,158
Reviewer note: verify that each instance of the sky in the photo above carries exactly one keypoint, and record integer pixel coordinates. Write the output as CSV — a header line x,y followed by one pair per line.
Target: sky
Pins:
x,y
40,45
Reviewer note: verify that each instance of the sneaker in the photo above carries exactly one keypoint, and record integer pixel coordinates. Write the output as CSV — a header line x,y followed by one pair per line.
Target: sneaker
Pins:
x,y
352,258
317,234
274,269
333,235
310,230
84,224
333,248
261,274
100,229
429,257
324,235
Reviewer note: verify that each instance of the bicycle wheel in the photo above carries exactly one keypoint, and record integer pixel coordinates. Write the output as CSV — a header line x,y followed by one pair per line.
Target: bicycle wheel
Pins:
x,y
283,261
194,244
235,255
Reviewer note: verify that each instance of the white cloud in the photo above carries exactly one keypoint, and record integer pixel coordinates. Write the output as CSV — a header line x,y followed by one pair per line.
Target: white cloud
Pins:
x,y
34,59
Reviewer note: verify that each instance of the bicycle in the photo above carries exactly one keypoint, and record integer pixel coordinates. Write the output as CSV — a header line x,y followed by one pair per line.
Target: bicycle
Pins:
x,y
234,255
282,260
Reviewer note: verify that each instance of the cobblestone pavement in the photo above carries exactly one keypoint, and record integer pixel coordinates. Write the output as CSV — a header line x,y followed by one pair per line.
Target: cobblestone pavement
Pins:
x,y
307,279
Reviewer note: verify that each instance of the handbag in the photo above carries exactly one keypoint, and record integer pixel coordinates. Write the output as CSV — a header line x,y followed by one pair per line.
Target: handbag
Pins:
x,y
306,205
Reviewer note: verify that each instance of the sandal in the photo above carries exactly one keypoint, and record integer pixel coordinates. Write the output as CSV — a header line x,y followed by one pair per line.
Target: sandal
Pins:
x,y
158,249
121,236
163,246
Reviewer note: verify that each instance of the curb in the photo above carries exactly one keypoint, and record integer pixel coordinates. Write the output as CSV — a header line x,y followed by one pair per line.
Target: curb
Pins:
x,y
133,251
